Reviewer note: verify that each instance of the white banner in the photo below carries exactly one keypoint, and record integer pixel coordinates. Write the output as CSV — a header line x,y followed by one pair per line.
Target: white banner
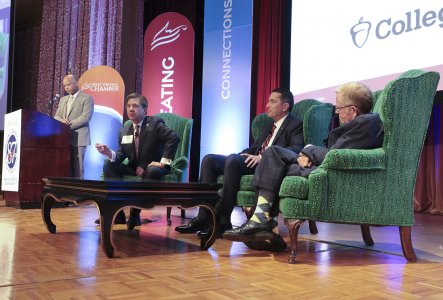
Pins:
x,y
11,151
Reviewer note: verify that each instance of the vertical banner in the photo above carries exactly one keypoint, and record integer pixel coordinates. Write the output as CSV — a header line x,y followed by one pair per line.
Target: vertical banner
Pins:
x,y
227,58
107,88
11,151
168,67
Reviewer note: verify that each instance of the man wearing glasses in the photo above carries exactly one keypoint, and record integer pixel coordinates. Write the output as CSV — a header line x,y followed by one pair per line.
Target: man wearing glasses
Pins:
x,y
359,129
147,143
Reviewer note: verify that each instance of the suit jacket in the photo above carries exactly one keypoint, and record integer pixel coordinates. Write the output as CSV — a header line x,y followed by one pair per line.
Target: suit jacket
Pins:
x,y
156,141
289,136
364,132
79,116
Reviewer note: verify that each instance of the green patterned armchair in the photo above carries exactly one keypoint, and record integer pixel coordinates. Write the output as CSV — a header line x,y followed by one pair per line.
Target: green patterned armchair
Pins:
x,y
369,187
316,118
183,128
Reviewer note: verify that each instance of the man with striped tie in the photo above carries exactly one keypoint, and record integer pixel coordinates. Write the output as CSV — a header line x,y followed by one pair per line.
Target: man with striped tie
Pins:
x,y
283,130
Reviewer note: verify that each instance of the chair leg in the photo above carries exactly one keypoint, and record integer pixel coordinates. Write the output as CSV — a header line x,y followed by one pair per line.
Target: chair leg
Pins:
x,y
249,211
183,214
168,215
366,234
293,227
313,227
406,243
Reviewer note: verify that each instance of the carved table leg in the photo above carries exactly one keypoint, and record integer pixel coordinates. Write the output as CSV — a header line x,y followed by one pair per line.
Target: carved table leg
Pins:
x,y
106,223
293,227
47,202
406,243
214,229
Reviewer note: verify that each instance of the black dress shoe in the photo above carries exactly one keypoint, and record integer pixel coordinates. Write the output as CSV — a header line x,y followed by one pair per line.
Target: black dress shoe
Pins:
x,y
119,219
195,225
250,231
134,220
276,244
205,233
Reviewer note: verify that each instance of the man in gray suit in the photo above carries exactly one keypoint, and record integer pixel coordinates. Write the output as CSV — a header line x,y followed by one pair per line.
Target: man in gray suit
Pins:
x,y
75,110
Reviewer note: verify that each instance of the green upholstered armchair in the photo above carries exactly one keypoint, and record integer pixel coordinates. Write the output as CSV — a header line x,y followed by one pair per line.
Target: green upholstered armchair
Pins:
x,y
369,187
316,118
183,128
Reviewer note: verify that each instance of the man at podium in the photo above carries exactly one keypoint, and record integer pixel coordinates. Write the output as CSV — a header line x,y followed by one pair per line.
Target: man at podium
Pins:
x,y
75,110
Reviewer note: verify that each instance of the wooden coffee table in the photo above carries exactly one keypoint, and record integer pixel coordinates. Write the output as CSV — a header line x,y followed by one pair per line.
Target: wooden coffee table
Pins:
x,y
110,196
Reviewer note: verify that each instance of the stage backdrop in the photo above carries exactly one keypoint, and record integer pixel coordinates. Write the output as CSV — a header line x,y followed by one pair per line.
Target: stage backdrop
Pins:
x,y
107,88
168,66
226,76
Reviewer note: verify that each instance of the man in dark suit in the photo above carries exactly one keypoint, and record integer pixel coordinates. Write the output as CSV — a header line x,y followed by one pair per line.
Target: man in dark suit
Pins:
x,y
359,129
147,143
283,130
75,110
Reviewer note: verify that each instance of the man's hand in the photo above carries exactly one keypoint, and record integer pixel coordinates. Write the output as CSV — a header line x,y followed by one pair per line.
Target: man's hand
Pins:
x,y
66,121
156,164
251,160
139,171
304,161
103,149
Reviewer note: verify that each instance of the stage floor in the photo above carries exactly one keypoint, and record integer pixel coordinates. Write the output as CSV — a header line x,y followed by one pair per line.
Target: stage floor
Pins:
x,y
155,261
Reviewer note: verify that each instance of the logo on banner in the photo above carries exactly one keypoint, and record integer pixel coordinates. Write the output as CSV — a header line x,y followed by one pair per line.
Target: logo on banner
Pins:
x,y
413,20
11,151
100,86
166,36
169,71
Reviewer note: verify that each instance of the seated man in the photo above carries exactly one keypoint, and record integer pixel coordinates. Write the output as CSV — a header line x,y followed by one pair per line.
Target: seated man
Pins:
x,y
284,130
148,144
359,129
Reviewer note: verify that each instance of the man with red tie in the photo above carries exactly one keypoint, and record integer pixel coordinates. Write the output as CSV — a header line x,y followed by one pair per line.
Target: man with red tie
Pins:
x,y
147,143
283,130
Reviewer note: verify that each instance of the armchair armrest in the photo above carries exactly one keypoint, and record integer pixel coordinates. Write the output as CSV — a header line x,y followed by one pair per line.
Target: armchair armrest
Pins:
x,y
179,163
355,159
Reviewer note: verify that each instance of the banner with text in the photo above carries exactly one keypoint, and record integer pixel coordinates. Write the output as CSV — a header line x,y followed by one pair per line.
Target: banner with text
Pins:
x,y
11,151
107,88
226,76
168,67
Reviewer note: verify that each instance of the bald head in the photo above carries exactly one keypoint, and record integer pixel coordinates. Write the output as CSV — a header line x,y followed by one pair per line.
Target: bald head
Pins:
x,y
70,84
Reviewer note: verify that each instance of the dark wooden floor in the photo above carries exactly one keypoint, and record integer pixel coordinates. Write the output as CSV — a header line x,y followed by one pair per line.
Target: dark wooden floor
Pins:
x,y
155,262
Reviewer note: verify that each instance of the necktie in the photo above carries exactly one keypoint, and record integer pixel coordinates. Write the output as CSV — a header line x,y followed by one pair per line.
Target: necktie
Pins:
x,y
266,142
69,106
136,139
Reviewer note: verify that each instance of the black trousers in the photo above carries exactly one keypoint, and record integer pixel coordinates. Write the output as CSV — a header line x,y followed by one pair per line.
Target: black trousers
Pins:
x,y
233,167
117,170
276,163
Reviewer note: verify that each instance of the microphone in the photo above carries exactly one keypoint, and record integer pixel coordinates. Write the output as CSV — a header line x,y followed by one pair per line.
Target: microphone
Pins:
x,y
51,102
56,98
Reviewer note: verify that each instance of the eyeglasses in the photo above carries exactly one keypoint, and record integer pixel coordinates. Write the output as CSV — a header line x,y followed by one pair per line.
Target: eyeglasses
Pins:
x,y
337,109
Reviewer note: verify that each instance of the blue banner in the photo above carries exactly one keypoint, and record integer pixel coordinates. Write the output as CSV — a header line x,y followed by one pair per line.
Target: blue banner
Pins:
x,y
226,92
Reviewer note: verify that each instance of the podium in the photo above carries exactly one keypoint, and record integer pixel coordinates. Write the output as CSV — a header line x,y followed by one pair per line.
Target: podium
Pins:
x,y
35,146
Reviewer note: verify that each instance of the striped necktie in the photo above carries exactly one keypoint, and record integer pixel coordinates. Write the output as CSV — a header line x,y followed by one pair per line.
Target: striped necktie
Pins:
x,y
266,142
137,139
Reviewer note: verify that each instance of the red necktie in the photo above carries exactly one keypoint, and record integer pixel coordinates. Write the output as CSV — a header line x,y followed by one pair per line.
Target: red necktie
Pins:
x,y
266,142
136,139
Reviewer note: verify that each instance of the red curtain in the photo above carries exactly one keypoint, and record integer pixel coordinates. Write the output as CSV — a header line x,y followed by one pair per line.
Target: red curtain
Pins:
x,y
428,196
267,45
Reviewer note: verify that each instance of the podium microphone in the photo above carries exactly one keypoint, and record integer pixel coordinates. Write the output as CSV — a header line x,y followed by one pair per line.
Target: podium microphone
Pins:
x,y
51,103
